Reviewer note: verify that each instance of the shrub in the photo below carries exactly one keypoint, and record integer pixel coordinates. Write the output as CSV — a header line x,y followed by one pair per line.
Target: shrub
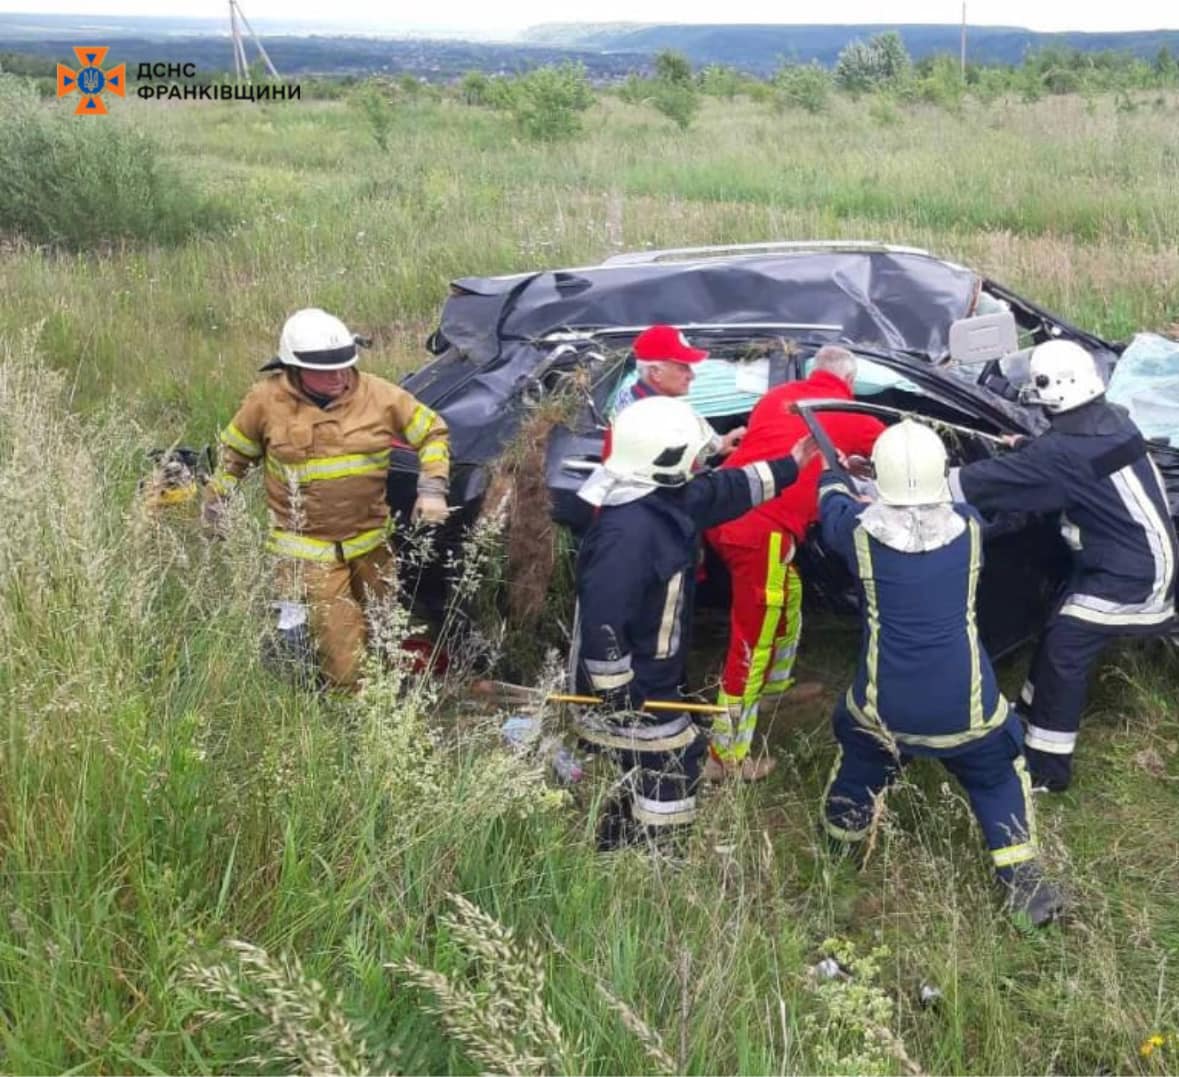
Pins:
x,y
635,90
547,103
882,61
672,66
675,100
371,100
943,85
720,81
77,185
807,87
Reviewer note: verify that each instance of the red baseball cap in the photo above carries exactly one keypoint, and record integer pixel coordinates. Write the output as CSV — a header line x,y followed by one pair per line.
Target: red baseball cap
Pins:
x,y
665,343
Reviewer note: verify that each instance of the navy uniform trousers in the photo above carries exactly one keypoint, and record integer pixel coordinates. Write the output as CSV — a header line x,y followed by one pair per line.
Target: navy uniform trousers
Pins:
x,y
991,770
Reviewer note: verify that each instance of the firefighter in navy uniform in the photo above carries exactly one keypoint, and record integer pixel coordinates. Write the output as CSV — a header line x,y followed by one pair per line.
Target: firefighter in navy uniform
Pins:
x,y
636,577
924,685
1092,466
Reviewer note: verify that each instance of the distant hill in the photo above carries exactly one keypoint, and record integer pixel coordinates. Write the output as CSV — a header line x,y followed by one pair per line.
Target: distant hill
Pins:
x,y
761,47
435,60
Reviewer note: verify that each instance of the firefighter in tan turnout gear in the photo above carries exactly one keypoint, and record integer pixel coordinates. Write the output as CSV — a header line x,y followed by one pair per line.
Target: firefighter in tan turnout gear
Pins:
x,y
322,431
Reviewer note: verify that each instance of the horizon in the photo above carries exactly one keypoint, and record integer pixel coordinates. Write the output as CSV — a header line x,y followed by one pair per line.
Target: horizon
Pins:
x,y
352,16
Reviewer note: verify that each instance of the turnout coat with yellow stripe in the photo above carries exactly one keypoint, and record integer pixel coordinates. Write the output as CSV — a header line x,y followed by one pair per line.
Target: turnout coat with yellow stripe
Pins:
x,y
325,467
923,679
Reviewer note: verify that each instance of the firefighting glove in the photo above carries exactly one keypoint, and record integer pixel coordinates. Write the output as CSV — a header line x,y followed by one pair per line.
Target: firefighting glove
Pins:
x,y
430,507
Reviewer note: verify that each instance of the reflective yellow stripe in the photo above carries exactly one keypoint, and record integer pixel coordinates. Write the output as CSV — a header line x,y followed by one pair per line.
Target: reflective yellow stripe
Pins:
x,y
786,649
305,548
864,560
329,467
1029,803
238,441
838,832
1013,854
724,726
435,453
976,706
917,740
419,425
223,482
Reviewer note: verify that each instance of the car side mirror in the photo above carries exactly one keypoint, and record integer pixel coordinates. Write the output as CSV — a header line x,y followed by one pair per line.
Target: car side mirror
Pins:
x,y
983,338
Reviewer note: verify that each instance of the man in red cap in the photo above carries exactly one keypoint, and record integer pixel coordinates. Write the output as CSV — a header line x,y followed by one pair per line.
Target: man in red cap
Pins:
x,y
665,359
758,549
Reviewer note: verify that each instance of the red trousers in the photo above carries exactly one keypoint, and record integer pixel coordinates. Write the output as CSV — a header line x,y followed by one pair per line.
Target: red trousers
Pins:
x,y
765,620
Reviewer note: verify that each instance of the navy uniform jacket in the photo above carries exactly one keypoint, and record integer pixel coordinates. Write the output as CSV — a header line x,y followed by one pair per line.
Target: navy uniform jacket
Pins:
x,y
636,579
1092,465
923,679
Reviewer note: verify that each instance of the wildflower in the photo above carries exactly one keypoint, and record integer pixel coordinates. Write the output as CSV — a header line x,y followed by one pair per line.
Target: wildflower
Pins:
x,y
1151,1045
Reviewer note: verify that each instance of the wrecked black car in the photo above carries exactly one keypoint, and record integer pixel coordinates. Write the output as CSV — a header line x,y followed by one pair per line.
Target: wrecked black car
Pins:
x,y
934,339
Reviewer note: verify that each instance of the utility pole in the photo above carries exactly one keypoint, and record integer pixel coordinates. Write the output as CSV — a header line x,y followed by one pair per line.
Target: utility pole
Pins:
x,y
240,67
962,59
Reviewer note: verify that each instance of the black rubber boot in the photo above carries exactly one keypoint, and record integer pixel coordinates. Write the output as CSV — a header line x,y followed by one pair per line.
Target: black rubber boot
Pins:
x,y
617,828
1049,773
1030,898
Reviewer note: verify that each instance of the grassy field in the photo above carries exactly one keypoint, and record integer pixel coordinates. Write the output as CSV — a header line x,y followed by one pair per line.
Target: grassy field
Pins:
x,y
206,870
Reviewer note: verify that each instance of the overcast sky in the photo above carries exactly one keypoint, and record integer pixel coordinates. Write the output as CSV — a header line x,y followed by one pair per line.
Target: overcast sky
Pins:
x,y
511,15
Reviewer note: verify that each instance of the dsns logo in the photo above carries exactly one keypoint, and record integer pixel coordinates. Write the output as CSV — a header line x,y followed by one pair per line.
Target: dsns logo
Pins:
x,y
91,81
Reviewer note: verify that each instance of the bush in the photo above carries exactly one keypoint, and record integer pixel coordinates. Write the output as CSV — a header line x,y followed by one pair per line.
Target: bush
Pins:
x,y
807,87
547,103
943,85
716,80
79,184
882,61
675,100
672,66
371,100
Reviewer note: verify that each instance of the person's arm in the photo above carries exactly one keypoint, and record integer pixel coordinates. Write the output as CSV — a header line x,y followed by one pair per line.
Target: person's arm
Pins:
x,y
425,431
611,583
720,496
1032,478
839,514
242,447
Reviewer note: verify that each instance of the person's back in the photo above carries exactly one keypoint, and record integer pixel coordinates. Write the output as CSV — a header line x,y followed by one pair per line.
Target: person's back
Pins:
x,y
923,683
920,628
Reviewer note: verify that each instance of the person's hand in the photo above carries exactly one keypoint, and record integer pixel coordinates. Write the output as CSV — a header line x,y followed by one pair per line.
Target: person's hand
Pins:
x,y
430,509
1013,441
804,451
859,466
731,440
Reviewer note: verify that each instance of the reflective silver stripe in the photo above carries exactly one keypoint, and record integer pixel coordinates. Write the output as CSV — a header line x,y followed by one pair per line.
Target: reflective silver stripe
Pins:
x,y
608,665
606,682
1158,606
761,482
663,812
665,737
833,488
955,481
1070,532
668,641
1052,741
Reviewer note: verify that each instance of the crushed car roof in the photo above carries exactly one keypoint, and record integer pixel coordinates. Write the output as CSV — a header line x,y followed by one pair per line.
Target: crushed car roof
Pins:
x,y
893,299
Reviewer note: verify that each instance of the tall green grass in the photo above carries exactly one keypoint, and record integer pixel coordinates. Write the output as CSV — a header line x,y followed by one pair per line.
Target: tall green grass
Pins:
x,y
82,185
205,869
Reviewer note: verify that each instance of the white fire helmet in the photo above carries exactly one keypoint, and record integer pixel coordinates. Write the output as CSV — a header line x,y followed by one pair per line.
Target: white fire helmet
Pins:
x,y
911,465
659,440
1063,376
315,340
